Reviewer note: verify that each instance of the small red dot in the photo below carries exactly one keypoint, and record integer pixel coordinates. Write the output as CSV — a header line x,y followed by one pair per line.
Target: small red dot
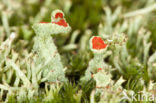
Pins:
x,y
99,69
107,86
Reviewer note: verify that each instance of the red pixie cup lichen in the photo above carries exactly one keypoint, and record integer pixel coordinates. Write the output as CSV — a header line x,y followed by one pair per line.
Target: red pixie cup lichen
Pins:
x,y
57,25
58,19
97,44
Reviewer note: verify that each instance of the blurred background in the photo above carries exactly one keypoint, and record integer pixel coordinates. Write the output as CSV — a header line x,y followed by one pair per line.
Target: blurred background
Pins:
x,y
87,18
135,62
19,15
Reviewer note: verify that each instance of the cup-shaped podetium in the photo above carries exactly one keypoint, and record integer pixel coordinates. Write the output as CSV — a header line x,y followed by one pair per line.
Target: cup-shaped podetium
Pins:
x,y
97,44
57,25
57,17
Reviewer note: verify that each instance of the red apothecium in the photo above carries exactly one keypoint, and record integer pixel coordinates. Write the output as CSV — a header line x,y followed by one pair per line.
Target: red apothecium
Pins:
x,y
98,43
